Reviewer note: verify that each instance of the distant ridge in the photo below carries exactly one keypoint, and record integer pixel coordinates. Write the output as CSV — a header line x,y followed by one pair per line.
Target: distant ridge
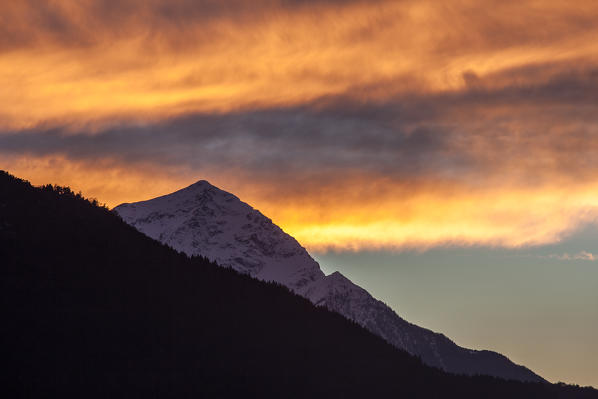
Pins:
x,y
202,219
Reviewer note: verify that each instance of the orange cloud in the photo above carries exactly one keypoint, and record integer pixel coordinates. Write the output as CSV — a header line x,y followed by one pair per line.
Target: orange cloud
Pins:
x,y
105,180
352,124
360,213
93,60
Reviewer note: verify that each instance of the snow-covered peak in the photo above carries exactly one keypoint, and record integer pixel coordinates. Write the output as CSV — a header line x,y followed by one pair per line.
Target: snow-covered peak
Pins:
x,y
203,220
201,192
202,183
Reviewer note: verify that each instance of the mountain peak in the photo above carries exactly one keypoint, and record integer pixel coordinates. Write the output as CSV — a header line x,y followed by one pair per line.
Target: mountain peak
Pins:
x,y
202,184
198,187
202,219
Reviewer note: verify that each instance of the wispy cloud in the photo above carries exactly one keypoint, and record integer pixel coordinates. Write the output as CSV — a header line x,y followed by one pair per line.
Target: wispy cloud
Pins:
x,y
582,255
97,59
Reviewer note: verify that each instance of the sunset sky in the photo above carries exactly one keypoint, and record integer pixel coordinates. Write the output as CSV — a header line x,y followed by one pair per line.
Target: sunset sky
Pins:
x,y
442,154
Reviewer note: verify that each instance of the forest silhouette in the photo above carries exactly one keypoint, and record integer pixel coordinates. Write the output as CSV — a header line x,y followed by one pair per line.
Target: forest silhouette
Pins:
x,y
93,308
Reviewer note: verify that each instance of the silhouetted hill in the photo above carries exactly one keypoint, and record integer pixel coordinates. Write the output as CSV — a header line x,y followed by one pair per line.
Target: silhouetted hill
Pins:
x,y
203,220
93,308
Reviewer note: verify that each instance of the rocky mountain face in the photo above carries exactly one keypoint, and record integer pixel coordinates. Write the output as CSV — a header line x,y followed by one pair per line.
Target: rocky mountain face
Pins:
x,y
204,220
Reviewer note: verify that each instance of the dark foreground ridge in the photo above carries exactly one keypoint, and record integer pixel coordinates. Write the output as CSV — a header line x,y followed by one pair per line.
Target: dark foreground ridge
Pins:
x,y
92,308
204,220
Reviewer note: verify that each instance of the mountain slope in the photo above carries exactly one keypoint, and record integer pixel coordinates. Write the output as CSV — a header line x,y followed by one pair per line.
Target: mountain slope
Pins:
x,y
204,220
92,308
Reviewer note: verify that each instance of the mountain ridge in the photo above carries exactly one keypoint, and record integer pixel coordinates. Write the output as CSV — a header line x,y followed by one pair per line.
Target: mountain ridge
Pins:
x,y
202,219
93,308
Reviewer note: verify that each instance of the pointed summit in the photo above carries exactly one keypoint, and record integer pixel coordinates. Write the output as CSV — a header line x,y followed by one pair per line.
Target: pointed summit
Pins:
x,y
203,220
200,184
197,187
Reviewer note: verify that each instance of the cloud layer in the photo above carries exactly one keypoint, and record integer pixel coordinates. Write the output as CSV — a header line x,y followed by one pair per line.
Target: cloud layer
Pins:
x,y
581,255
352,124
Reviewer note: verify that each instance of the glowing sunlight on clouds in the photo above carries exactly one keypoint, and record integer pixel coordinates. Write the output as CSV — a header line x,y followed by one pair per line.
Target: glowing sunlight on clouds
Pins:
x,y
352,124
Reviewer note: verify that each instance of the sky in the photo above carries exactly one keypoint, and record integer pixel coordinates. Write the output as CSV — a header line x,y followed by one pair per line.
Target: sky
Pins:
x,y
405,143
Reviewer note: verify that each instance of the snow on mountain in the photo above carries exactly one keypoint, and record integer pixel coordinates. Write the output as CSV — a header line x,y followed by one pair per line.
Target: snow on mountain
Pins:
x,y
204,220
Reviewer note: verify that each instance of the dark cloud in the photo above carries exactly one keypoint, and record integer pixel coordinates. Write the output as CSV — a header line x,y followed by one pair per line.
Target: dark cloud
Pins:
x,y
497,126
34,23
543,115
284,140
471,27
